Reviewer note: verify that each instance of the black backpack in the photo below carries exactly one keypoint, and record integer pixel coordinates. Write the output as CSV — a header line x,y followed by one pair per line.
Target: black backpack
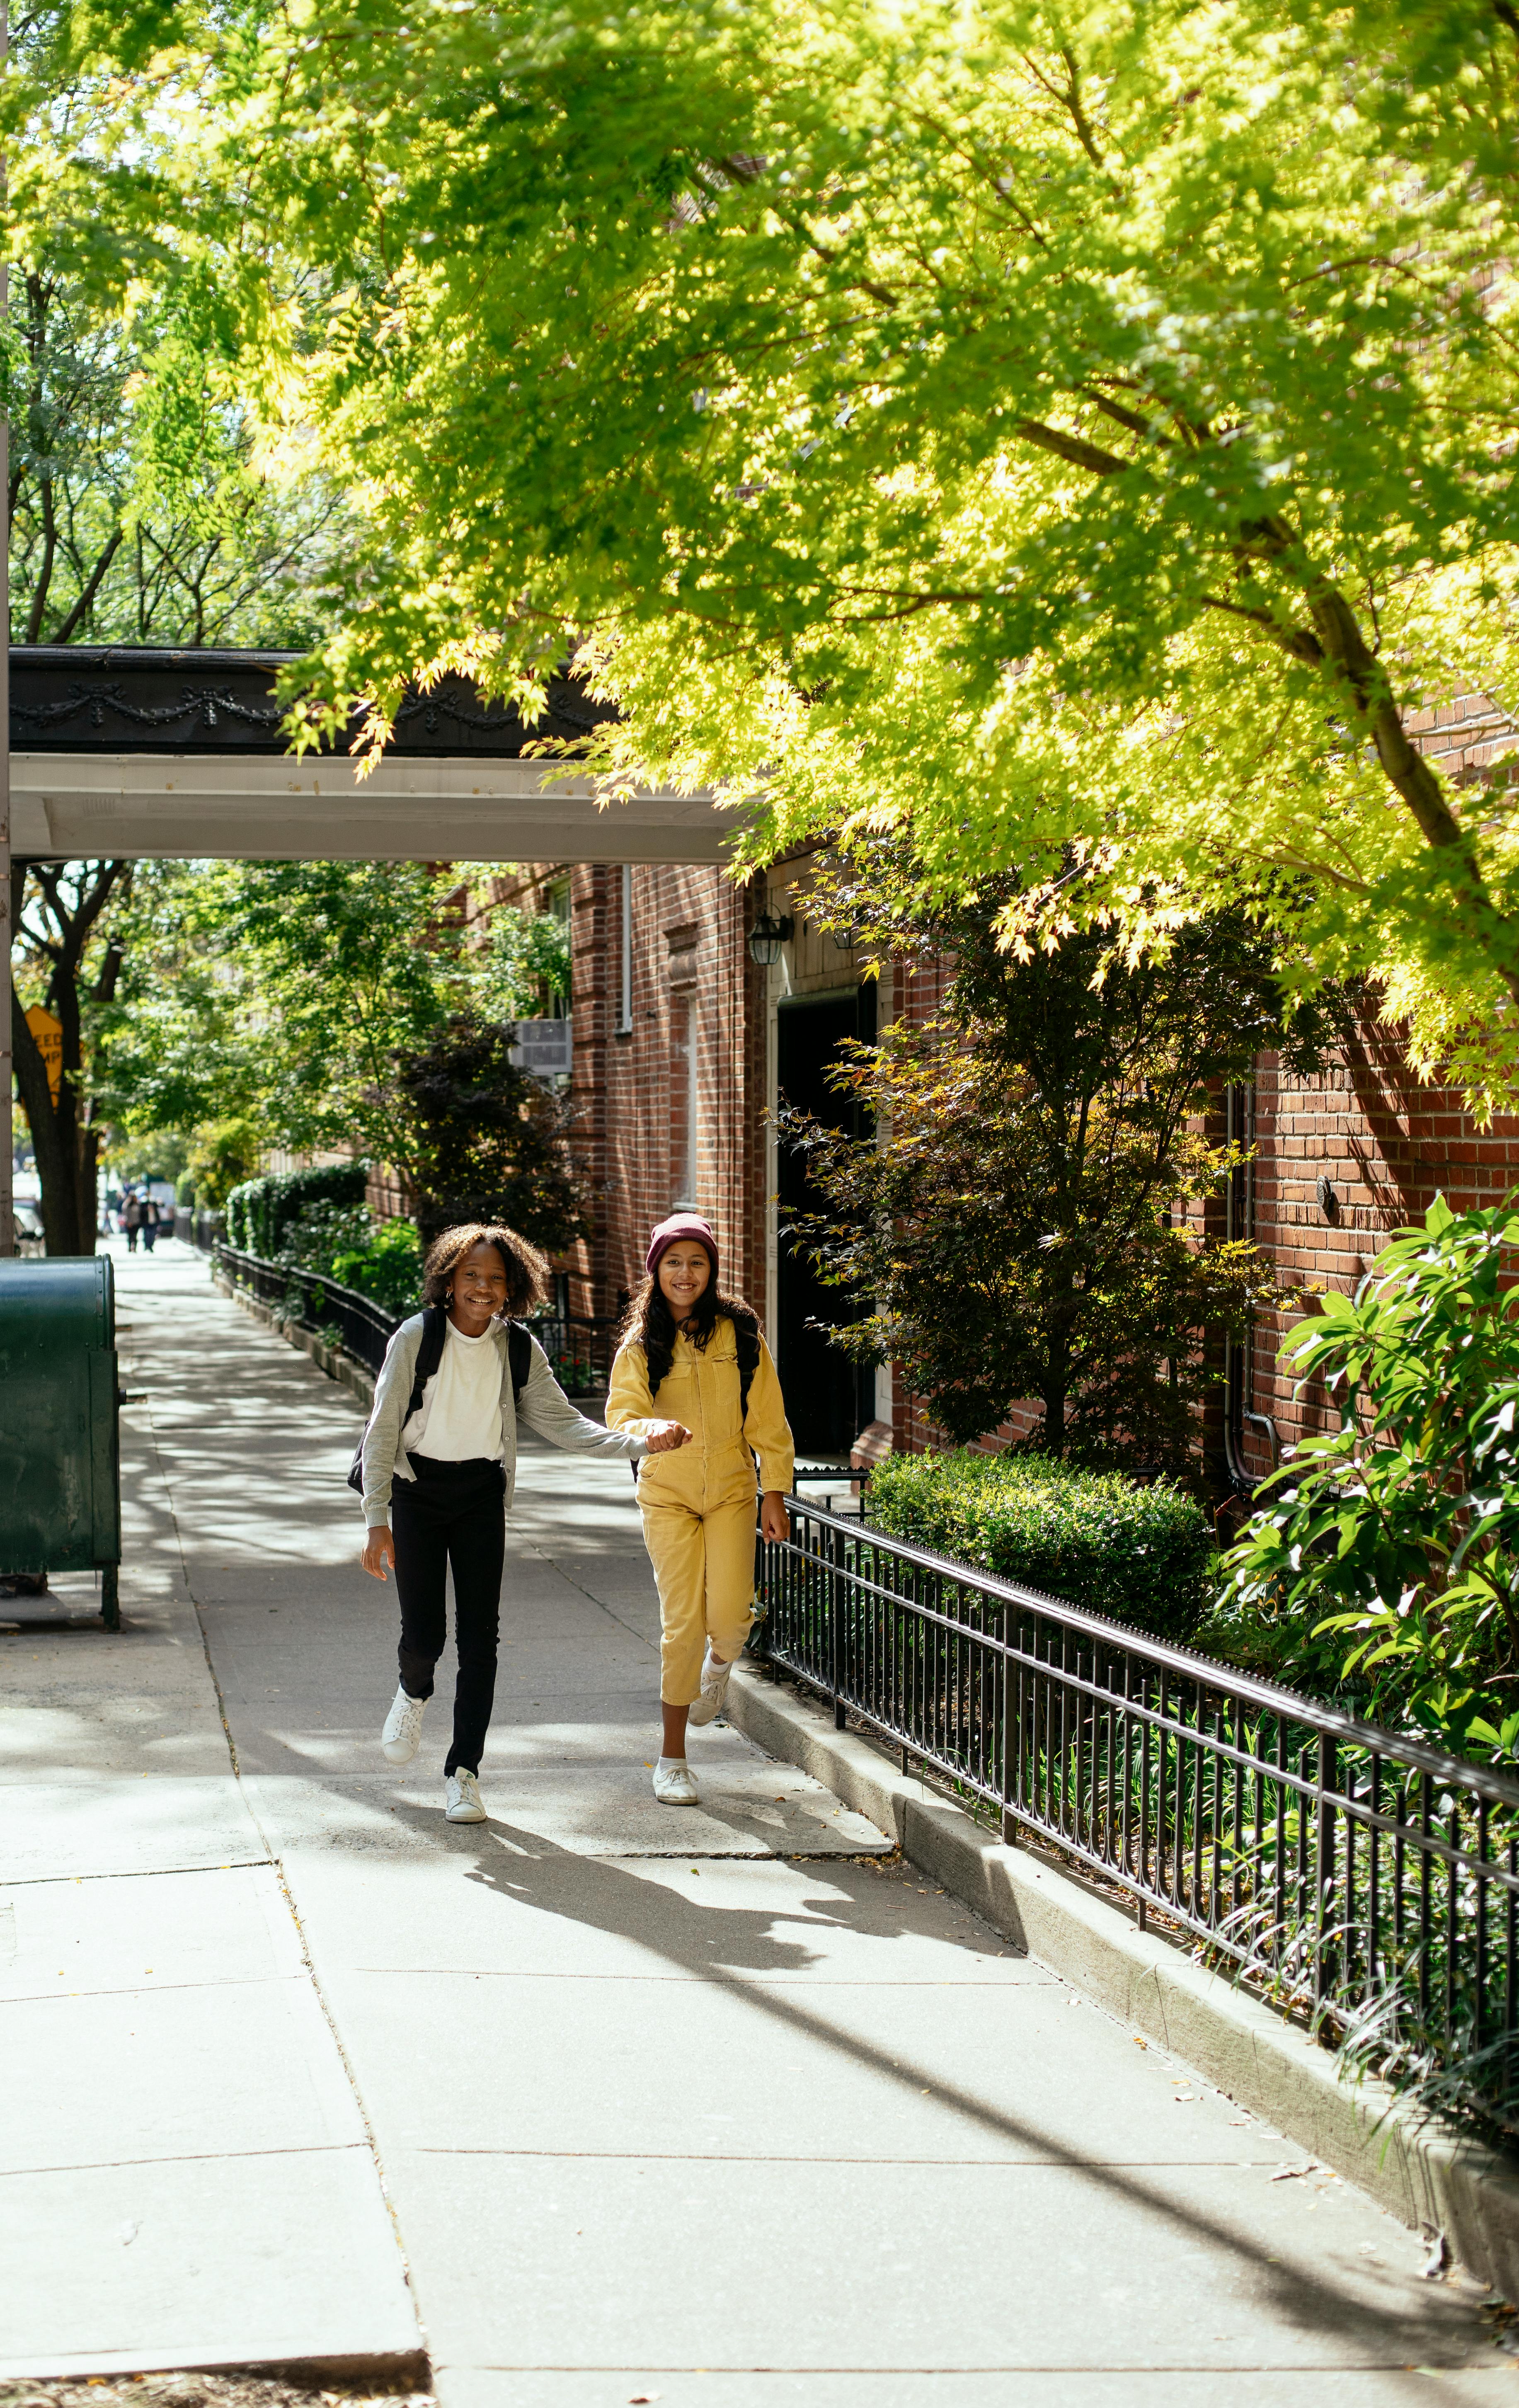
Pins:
x,y
434,1324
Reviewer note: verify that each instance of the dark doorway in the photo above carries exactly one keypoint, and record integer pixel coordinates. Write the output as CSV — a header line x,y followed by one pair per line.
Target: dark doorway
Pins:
x,y
828,1399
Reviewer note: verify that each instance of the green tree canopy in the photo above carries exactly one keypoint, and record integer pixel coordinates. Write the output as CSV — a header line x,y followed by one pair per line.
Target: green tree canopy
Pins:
x,y
299,1003
279,992
1078,434
144,508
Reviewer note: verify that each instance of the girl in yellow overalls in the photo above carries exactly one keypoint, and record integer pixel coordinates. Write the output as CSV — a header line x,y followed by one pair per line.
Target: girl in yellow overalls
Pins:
x,y
695,1356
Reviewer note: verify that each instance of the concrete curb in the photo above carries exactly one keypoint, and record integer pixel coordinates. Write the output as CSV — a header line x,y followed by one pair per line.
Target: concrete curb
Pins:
x,y
1424,2175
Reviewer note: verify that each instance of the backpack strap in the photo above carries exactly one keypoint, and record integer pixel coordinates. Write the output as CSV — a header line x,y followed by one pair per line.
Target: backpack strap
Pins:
x,y
747,1342
434,1329
520,1356
434,1324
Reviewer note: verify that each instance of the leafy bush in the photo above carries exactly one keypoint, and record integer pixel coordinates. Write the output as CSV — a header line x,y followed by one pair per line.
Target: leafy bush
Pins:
x,y
222,1154
381,1259
485,1141
1141,1555
524,961
1384,1558
259,1210
1042,1160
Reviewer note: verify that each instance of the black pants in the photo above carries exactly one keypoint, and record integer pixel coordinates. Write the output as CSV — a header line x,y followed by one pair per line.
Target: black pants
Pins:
x,y
449,1518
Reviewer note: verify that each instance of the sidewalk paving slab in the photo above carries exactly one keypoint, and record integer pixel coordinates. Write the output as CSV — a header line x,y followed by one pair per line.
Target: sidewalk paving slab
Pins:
x,y
186,2177
727,2107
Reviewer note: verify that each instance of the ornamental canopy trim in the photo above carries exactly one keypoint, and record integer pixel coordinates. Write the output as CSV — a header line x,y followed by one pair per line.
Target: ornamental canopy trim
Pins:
x,y
137,751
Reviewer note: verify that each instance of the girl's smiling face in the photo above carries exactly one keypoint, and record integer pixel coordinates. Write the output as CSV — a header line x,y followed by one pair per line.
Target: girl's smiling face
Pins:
x,y
684,1273
478,1289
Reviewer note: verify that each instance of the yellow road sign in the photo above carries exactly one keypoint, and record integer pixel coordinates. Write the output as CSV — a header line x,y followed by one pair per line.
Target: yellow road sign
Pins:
x,y
49,1039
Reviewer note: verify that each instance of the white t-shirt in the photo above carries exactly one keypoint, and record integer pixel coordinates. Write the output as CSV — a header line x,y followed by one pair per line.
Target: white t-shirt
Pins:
x,y
459,1420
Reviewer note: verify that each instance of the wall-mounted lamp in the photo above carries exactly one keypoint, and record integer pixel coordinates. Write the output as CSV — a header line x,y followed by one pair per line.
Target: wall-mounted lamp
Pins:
x,y
767,937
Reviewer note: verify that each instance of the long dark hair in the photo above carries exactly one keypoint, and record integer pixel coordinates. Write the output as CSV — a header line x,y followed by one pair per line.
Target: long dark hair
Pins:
x,y
650,1321
527,1271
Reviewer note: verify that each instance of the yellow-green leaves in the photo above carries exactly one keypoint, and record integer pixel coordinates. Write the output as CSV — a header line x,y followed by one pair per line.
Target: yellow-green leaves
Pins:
x,y
1106,438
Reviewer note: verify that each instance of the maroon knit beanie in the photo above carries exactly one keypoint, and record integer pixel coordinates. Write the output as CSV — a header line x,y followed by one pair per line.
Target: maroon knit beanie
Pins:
x,y
670,1233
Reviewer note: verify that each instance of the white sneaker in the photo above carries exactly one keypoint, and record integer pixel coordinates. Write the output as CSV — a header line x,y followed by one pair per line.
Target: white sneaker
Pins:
x,y
714,1691
463,1804
402,1734
673,1782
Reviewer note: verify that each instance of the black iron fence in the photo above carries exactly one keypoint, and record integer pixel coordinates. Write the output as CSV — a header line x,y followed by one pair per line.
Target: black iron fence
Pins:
x,y
202,1230
339,1314
1358,1877
579,1348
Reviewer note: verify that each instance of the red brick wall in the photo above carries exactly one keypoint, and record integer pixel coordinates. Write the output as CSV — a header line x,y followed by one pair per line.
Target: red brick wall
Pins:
x,y
690,966
1387,1142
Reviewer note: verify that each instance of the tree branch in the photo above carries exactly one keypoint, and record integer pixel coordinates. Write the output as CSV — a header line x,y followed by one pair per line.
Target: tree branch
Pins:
x,y
1071,448
49,546
61,635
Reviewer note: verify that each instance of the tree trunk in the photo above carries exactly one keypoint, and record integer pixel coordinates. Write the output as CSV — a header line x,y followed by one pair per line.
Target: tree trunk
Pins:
x,y
55,1142
65,1146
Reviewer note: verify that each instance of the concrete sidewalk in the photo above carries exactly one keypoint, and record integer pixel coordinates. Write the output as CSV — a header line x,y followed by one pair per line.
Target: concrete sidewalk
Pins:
x,y
721,2105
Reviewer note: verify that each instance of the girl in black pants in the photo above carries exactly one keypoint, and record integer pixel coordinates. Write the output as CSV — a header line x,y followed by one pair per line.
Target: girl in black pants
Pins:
x,y
439,1464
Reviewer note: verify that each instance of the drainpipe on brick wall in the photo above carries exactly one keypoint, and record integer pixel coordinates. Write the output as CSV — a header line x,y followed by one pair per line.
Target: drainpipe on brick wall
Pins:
x,y
1238,1354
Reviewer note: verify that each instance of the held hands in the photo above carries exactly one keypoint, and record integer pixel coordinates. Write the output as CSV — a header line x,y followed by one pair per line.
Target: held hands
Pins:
x,y
775,1522
378,1551
663,1437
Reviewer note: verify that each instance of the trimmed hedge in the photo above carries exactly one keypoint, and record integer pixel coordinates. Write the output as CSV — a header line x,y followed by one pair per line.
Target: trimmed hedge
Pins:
x,y
261,1209
1141,1556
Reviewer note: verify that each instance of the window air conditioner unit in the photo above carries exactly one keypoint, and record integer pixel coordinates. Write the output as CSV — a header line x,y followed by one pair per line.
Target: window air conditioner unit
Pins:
x,y
545,1048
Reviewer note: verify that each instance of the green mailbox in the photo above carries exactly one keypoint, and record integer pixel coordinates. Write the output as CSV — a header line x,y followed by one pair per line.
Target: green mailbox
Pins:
x,y
60,1449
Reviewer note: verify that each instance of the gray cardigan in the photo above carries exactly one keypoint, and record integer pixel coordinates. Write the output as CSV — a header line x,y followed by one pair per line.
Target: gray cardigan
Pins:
x,y
545,1407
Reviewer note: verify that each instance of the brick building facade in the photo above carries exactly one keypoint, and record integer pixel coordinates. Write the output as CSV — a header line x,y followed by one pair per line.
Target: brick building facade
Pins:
x,y
683,1044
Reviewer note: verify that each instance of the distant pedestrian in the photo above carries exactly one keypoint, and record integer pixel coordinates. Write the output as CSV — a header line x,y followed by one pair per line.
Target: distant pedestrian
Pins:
x,y
693,1355
438,1467
149,1224
132,1221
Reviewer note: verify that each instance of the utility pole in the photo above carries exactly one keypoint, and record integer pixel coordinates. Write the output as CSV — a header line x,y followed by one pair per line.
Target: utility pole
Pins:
x,y
8,1149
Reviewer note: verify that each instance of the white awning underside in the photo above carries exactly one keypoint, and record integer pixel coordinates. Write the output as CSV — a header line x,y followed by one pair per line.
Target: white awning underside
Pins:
x,y
273,807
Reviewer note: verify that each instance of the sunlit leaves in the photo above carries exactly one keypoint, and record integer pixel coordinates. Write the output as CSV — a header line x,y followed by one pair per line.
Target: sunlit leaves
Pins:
x,y
1388,1547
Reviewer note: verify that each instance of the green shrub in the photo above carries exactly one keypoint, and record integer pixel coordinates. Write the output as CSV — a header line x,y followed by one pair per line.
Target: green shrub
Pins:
x,y
260,1210
222,1155
387,1267
1382,1563
1141,1556
381,1259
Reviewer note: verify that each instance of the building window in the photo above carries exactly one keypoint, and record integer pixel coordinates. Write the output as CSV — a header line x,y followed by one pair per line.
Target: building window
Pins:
x,y
684,1126
624,1000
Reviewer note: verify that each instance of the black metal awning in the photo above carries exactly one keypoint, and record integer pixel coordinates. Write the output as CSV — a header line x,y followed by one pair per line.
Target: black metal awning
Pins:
x,y
143,752
122,698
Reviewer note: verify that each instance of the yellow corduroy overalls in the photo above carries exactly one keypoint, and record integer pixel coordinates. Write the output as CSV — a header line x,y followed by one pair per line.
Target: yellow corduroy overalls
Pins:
x,y
698,1502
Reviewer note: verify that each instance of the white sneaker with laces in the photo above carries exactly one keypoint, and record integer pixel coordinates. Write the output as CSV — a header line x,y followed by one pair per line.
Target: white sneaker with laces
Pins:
x,y
463,1804
673,1782
714,1691
402,1734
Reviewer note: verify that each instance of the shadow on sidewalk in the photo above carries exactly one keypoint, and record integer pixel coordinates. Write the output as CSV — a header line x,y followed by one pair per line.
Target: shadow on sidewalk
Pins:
x,y
720,1944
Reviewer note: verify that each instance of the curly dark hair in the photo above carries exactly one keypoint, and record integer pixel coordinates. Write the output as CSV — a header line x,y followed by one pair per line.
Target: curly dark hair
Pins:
x,y
527,1271
650,1321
